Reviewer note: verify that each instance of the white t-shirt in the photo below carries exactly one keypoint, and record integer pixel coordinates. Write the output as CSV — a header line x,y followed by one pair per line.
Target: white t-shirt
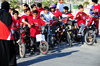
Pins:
x,y
48,16
60,7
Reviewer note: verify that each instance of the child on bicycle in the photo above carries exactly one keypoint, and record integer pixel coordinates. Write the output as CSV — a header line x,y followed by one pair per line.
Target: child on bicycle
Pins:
x,y
55,12
47,14
33,7
66,12
35,23
39,9
25,22
15,20
81,19
95,13
15,24
24,17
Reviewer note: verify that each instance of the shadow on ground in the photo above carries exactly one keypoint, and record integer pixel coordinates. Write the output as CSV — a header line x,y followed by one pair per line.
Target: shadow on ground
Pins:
x,y
47,57
63,46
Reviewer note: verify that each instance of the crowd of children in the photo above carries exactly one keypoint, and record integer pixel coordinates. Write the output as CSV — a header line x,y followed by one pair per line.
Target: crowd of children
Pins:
x,y
41,16
10,21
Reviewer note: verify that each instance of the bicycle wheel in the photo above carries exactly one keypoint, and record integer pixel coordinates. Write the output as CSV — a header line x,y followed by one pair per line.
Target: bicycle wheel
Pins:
x,y
44,47
90,37
22,50
68,37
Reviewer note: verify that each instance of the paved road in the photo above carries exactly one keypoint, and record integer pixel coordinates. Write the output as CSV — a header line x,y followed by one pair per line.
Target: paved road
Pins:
x,y
78,55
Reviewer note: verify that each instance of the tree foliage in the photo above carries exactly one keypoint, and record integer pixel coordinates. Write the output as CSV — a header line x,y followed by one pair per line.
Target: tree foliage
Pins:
x,y
55,3
14,4
86,3
46,3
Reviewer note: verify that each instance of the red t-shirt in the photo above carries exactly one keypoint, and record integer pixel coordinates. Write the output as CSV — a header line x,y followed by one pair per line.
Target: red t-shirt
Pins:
x,y
97,7
68,18
81,19
39,11
34,30
57,13
15,23
24,17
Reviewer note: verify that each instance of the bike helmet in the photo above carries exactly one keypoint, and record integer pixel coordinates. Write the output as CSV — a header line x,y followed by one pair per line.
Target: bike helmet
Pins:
x,y
53,6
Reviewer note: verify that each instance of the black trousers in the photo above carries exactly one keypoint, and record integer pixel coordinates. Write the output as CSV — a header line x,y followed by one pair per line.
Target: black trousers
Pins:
x,y
34,44
7,53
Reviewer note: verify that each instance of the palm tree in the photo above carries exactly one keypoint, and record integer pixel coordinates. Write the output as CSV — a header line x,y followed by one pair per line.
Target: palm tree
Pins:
x,y
14,4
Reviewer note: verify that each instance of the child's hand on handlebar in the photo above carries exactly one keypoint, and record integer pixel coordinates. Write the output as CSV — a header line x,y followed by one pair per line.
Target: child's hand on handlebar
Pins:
x,y
69,16
47,23
36,24
33,24
29,25
94,11
21,23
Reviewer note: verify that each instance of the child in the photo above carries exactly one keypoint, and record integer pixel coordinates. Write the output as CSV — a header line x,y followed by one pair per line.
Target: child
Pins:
x,y
56,13
33,7
48,16
15,27
39,9
25,17
60,5
15,21
95,11
26,6
25,21
81,19
35,29
66,12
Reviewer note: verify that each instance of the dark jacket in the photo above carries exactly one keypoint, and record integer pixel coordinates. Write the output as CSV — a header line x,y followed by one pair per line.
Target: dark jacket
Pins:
x,y
5,23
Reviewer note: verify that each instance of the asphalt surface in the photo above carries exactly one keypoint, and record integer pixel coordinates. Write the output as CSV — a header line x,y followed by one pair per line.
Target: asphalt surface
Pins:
x,y
62,55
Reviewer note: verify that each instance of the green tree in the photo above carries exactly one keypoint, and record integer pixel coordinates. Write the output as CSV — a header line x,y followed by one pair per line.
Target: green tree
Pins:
x,y
86,3
55,3
14,4
46,3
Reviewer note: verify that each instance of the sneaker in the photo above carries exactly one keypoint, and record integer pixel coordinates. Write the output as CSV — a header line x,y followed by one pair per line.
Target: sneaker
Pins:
x,y
31,52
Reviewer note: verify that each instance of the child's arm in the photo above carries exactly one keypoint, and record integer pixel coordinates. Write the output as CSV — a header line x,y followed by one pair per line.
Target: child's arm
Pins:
x,y
67,15
58,7
71,16
43,22
25,22
77,16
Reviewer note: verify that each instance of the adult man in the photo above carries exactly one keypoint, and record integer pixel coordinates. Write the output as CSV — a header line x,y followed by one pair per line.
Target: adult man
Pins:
x,y
7,49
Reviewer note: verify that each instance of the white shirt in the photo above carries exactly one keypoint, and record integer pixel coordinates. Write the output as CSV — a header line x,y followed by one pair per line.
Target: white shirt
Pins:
x,y
60,7
48,16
